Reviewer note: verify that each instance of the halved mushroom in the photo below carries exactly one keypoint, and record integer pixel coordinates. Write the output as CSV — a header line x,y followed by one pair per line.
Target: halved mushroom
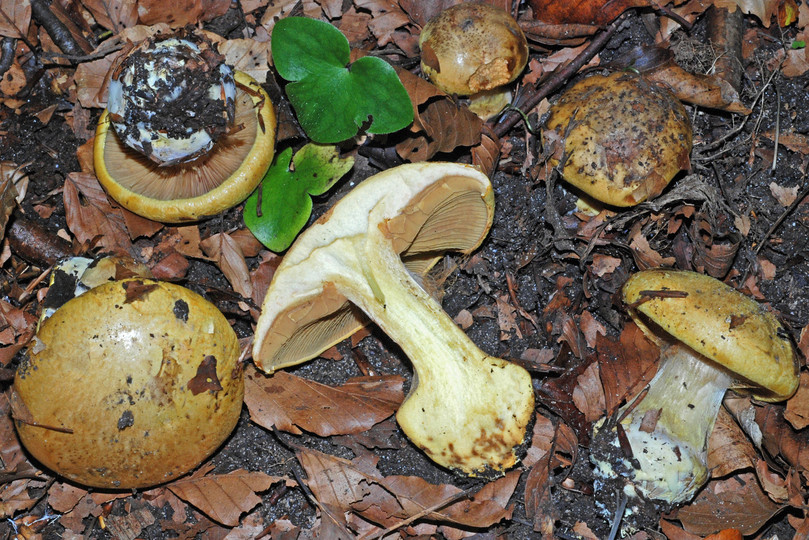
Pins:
x,y
474,49
131,384
622,138
712,337
466,409
191,175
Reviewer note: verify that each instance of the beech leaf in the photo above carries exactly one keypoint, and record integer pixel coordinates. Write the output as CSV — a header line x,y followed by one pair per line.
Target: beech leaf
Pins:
x,y
224,497
292,403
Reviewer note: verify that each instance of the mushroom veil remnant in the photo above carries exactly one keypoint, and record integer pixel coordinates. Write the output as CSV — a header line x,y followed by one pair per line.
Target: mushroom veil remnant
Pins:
x,y
476,50
190,137
131,384
363,260
621,137
712,337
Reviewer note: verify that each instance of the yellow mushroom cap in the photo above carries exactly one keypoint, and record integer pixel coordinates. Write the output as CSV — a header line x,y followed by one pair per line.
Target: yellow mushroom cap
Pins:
x,y
470,47
624,138
144,375
222,178
721,324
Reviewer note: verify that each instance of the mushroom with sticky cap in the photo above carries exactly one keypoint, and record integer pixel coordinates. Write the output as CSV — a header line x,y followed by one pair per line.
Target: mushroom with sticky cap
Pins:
x,y
712,338
364,258
622,138
476,50
173,169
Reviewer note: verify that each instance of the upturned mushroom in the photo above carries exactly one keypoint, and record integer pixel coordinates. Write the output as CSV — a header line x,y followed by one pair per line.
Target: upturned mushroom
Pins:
x,y
190,137
622,139
467,410
131,384
476,50
712,338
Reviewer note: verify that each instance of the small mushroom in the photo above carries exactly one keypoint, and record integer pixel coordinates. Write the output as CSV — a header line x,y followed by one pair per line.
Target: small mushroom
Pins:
x,y
712,337
364,257
474,50
621,137
190,137
131,384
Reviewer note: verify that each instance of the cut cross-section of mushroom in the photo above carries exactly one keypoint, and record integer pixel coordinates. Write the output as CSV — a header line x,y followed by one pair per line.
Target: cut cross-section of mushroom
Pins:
x,y
712,337
467,410
212,183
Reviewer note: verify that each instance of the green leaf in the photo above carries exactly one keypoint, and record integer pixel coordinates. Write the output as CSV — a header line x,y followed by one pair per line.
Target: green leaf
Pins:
x,y
277,211
798,44
334,100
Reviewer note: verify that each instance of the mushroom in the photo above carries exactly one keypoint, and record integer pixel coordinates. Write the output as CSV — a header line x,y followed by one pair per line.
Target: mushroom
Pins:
x,y
712,337
474,50
622,139
131,384
190,137
467,410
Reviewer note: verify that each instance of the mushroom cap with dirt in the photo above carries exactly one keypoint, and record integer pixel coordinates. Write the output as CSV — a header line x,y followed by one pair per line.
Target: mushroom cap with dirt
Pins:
x,y
131,384
364,258
474,49
712,338
622,138
218,176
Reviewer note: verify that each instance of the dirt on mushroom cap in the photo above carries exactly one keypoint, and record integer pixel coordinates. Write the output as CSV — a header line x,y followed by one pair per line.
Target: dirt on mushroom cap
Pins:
x,y
623,139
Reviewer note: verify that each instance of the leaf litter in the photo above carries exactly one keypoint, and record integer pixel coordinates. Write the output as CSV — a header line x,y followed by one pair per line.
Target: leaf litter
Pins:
x,y
320,456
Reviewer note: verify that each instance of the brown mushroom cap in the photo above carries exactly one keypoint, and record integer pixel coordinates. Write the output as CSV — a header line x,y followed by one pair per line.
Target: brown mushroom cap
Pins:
x,y
144,374
470,47
624,138
719,323
432,208
213,183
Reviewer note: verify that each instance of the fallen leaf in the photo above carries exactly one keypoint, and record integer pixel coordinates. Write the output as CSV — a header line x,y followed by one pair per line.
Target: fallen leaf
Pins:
x,y
247,55
113,15
180,13
589,394
15,16
292,404
18,327
224,497
95,220
226,253
737,502
590,12
797,411
763,9
626,366
784,195
729,448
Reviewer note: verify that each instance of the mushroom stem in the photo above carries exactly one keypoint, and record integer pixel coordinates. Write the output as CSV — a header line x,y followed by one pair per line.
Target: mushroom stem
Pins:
x,y
668,428
466,409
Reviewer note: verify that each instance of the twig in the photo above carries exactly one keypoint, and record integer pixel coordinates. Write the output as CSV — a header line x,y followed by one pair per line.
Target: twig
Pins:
x,y
36,244
802,195
619,516
7,49
559,76
777,127
60,34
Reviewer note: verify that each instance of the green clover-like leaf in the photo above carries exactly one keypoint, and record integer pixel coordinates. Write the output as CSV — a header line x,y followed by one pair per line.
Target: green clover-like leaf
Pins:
x,y
277,211
332,98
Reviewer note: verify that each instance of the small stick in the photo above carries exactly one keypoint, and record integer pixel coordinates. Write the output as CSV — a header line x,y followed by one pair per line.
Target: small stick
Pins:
x,y
559,77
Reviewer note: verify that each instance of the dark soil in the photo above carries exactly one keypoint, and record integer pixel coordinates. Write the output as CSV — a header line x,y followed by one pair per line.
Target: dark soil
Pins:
x,y
527,247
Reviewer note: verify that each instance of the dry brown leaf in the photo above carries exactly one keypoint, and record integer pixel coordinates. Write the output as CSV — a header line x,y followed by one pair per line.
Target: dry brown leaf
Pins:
x,y
12,456
591,12
779,438
15,16
539,506
486,154
247,55
591,328
729,448
737,502
797,411
589,394
763,9
784,195
291,403
14,498
64,497
179,13
92,79
224,497
113,15
18,327
646,257
95,219
626,366
773,484
226,253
